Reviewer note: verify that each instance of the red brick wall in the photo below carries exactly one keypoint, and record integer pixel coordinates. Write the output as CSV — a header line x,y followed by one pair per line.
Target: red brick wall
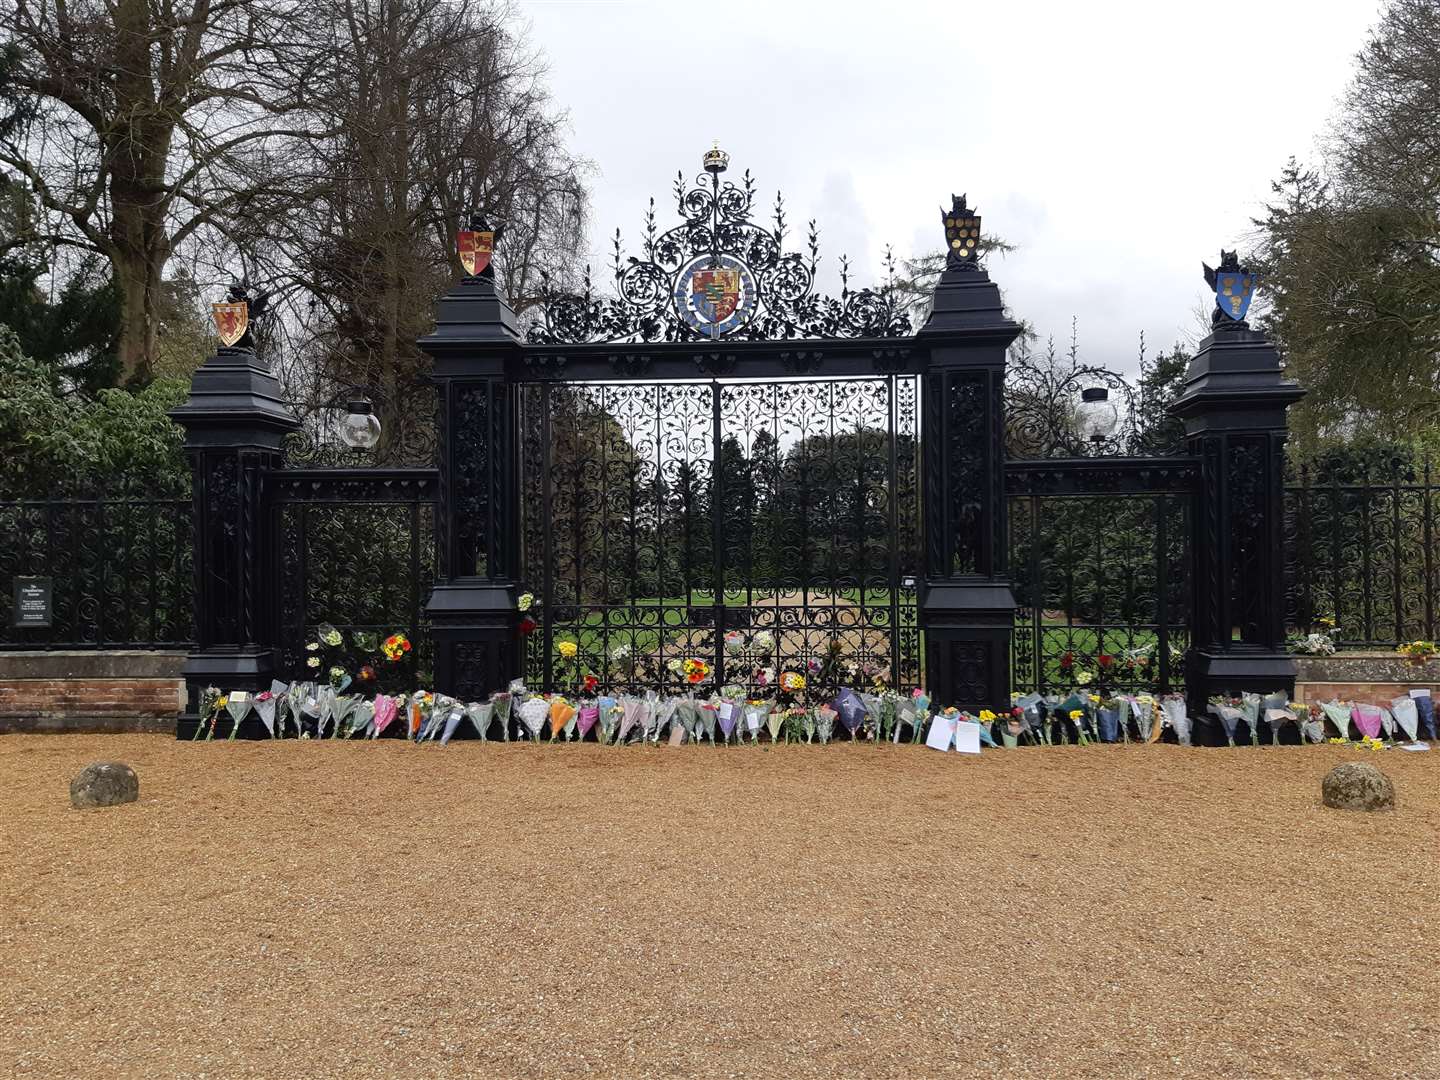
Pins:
x,y
1365,693
97,691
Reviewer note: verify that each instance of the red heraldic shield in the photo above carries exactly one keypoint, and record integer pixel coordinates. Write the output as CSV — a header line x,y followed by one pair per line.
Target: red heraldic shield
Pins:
x,y
475,248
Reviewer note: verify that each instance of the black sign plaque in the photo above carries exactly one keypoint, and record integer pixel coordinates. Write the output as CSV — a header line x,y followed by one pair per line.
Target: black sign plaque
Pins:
x,y
32,602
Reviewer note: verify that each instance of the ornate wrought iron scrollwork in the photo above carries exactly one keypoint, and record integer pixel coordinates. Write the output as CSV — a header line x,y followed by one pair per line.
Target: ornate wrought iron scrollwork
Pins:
x,y
1043,394
407,408
758,290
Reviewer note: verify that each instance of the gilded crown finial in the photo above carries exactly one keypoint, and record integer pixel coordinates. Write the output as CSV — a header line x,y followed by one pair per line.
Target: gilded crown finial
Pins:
x,y
716,160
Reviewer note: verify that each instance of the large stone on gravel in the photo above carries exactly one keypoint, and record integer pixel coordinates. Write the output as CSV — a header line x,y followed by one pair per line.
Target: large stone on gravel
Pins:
x,y
104,783
1357,785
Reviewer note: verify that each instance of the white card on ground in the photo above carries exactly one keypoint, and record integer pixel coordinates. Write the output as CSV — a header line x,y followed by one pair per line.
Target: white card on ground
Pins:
x,y
942,733
967,737
1414,746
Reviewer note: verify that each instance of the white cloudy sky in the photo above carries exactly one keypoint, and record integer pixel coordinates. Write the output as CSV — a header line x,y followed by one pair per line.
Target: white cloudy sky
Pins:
x,y
1118,142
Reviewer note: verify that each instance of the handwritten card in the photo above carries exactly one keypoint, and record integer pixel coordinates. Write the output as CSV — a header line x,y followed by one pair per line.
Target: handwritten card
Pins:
x,y
942,733
967,737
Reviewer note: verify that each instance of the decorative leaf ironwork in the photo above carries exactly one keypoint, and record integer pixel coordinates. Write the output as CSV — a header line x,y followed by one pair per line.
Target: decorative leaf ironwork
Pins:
x,y
715,221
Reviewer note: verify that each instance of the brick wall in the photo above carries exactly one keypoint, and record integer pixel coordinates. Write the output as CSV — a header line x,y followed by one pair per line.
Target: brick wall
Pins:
x,y
90,691
1371,678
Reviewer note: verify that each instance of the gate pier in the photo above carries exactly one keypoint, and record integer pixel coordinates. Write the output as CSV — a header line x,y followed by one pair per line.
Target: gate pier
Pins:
x,y
1234,411
967,607
235,420
472,609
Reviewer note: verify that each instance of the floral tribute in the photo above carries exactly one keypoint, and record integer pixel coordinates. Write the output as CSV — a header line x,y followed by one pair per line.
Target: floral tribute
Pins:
x,y
798,704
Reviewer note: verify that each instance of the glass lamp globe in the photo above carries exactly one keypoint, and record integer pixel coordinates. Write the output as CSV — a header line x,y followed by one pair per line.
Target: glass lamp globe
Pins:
x,y
1097,414
361,429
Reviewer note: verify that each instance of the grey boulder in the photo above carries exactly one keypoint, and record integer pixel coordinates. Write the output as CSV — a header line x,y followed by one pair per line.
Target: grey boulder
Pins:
x,y
1357,785
104,783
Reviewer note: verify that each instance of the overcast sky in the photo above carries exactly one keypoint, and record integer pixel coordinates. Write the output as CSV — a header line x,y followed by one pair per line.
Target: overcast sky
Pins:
x,y
1118,143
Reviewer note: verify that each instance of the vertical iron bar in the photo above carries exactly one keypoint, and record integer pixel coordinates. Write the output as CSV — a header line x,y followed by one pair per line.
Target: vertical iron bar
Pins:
x,y
415,569
893,500
1162,589
302,608
1335,548
604,490
1395,552
1037,597
49,556
547,513
1429,589
717,532
496,400
1303,527
100,574
153,511
1366,574
662,574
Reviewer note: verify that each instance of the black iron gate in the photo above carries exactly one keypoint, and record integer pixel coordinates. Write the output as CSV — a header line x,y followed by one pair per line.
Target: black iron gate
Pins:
x,y
757,526
354,548
1100,562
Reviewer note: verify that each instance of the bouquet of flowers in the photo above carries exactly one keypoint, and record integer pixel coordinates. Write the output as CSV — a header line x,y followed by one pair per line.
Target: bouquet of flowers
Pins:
x,y
504,702
1418,652
1407,716
1312,726
799,724
612,714
663,713
1107,712
532,714
266,703
1277,717
1172,710
756,713
728,710
562,717
921,700
775,722
1366,719
1339,715
695,670
850,710
386,709
1228,712
237,704
635,715
481,713
876,712
1425,709
705,713
825,717
687,718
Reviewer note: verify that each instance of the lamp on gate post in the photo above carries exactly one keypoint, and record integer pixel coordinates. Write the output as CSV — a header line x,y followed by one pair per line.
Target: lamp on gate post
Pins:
x,y
361,428
1097,415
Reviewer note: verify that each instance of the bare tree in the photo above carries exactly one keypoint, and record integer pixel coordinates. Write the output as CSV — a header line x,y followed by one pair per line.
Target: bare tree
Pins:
x,y
152,121
431,110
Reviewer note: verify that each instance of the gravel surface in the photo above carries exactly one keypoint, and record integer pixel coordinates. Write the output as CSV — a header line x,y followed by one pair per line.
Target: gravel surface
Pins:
x,y
325,910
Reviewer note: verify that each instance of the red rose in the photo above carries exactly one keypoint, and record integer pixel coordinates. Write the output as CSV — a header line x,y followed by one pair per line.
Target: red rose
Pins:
x,y
1104,660
591,682
527,626
1068,660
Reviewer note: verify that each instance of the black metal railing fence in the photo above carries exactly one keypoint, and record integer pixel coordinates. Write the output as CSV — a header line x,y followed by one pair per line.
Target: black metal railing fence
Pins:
x,y
1360,549
119,571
